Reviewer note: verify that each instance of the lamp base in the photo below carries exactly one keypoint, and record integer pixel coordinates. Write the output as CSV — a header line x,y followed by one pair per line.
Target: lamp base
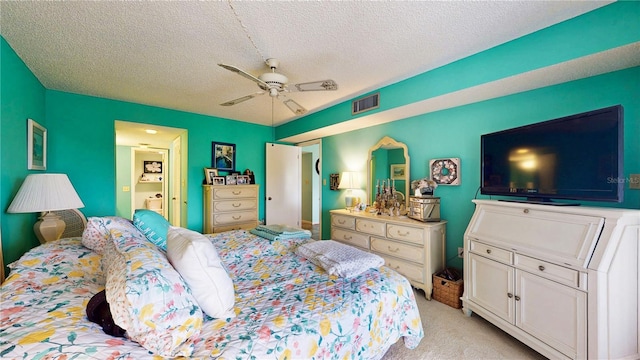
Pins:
x,y
49,228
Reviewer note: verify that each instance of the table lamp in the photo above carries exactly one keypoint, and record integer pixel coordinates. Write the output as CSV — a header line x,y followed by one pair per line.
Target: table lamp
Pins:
x,y
349,180
45,193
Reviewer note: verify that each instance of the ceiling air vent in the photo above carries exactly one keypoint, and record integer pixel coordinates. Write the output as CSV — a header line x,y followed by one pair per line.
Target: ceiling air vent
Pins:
x,y
365,104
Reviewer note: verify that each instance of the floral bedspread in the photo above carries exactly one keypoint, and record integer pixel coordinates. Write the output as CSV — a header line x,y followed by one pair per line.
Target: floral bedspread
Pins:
x,y
286,307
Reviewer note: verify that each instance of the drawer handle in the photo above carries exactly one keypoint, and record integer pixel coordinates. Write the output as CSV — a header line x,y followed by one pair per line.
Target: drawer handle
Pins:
x,y
541,268
341,222
237,192
517,298
236,205
347,237
396,250
401,234
488,251
509,295
237,217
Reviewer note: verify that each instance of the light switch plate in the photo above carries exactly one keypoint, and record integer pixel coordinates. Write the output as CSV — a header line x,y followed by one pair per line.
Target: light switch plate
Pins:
x,y
634,181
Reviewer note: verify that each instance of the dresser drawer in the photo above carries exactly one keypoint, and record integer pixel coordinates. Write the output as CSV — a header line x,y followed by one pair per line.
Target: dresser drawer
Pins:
x,y
346,222
245,226
371,227
406,233
235,205
234,217
404,251
411,271
548,270
235,192
350,237
492,252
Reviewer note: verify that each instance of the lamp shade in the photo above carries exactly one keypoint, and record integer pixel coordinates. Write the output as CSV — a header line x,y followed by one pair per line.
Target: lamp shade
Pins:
x,y
349,180
45,192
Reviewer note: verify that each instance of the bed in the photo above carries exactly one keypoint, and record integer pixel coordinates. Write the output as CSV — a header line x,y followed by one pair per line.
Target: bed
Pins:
x,y
285,306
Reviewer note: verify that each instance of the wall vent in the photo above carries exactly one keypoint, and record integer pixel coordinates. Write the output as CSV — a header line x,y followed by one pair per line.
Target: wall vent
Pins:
x,y
365,104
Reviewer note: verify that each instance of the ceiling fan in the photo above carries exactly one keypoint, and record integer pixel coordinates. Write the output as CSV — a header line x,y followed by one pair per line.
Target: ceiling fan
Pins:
x,y
275,84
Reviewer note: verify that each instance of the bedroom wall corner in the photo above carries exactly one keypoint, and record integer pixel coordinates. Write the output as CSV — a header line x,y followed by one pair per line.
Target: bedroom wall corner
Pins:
x,y
22,97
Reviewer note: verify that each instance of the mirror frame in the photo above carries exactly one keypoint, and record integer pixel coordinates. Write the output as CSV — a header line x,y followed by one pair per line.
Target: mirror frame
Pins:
x,y
389,143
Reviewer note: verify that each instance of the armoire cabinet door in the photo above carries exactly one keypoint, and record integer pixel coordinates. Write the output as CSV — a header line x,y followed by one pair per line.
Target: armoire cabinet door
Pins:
x,y
491,286
553,313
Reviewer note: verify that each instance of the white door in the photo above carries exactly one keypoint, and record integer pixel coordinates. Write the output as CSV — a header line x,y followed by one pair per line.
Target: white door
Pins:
x,y
283,188
176,182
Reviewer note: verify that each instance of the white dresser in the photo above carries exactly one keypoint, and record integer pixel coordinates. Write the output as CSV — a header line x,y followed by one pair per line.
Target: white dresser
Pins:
x,y
413,248
230,207
562,279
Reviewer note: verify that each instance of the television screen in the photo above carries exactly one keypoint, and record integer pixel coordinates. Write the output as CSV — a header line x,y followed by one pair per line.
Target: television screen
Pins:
x,y
578,157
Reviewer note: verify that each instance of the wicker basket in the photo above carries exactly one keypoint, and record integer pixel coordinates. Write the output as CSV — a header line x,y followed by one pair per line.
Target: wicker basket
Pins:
x,y
448,292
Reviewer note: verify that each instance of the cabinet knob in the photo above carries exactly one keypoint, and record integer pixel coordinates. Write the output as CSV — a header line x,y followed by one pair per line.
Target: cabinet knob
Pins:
x,y
488,251
517,298
526,211
509,295
541,268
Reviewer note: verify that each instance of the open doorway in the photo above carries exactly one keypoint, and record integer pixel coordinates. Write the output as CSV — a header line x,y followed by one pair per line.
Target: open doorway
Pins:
x,y
311,187
151,170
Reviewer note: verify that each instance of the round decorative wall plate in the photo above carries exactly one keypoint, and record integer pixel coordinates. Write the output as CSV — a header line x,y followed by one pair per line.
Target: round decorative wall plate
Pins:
x,y
445,171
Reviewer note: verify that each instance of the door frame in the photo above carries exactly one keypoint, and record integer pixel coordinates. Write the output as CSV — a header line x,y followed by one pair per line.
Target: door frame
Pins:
x,y
318,143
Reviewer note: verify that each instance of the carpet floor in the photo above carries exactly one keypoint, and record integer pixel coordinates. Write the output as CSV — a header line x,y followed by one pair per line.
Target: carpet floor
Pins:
x,y
449,334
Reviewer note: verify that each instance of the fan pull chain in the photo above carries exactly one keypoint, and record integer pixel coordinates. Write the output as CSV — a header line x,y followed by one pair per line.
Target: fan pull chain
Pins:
x,y
246,31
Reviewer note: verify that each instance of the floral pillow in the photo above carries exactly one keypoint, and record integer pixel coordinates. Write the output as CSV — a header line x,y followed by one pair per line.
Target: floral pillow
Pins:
x,y
96,233
148,298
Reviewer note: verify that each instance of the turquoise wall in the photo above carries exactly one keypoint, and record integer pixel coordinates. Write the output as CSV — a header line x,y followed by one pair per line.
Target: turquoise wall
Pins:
x,y
81,143
456,133
22,97
81,128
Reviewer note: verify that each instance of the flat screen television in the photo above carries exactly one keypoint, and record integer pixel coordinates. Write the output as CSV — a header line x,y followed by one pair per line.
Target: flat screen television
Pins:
x,y
578,157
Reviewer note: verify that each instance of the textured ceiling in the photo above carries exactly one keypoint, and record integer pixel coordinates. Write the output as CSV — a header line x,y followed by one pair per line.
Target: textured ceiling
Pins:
x,y
166,53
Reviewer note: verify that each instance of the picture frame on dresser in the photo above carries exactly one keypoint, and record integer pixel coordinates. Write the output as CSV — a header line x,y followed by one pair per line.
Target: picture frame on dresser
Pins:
x,y
218,180
210,174
36,146
231,179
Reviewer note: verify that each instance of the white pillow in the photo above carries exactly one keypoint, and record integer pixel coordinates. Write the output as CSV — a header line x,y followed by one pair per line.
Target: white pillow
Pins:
x,y
194,257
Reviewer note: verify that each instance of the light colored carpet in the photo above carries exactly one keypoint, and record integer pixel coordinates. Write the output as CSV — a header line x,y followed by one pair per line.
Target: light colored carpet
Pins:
x,y
449,334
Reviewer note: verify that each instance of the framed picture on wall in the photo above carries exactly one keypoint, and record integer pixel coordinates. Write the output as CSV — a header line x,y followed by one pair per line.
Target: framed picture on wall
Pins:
x,y
36,146
223,156
152,167
398,172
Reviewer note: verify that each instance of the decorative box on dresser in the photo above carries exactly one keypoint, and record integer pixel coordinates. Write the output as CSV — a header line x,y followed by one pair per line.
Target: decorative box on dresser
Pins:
x,y
413,248
230,207
564,280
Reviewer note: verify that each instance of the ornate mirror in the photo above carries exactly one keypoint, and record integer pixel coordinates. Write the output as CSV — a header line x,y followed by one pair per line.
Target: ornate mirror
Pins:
x,y
388,160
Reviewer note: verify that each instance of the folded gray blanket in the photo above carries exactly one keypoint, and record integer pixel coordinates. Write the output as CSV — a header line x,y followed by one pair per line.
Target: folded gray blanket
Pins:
x,y
339,259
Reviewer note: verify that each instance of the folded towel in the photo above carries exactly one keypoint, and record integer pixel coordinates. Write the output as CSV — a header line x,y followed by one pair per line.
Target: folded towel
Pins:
x,y
339,259
273,237
279,229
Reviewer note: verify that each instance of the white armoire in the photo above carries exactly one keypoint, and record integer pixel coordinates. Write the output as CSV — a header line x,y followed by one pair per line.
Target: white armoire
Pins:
x,y
565,280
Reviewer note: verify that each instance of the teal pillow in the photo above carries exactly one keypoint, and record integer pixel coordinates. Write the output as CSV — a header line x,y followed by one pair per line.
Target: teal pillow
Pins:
x,y
153,225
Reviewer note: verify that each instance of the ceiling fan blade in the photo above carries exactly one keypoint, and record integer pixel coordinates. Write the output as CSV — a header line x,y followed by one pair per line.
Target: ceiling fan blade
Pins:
x,y
322,85
241,99
294,107
244,74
